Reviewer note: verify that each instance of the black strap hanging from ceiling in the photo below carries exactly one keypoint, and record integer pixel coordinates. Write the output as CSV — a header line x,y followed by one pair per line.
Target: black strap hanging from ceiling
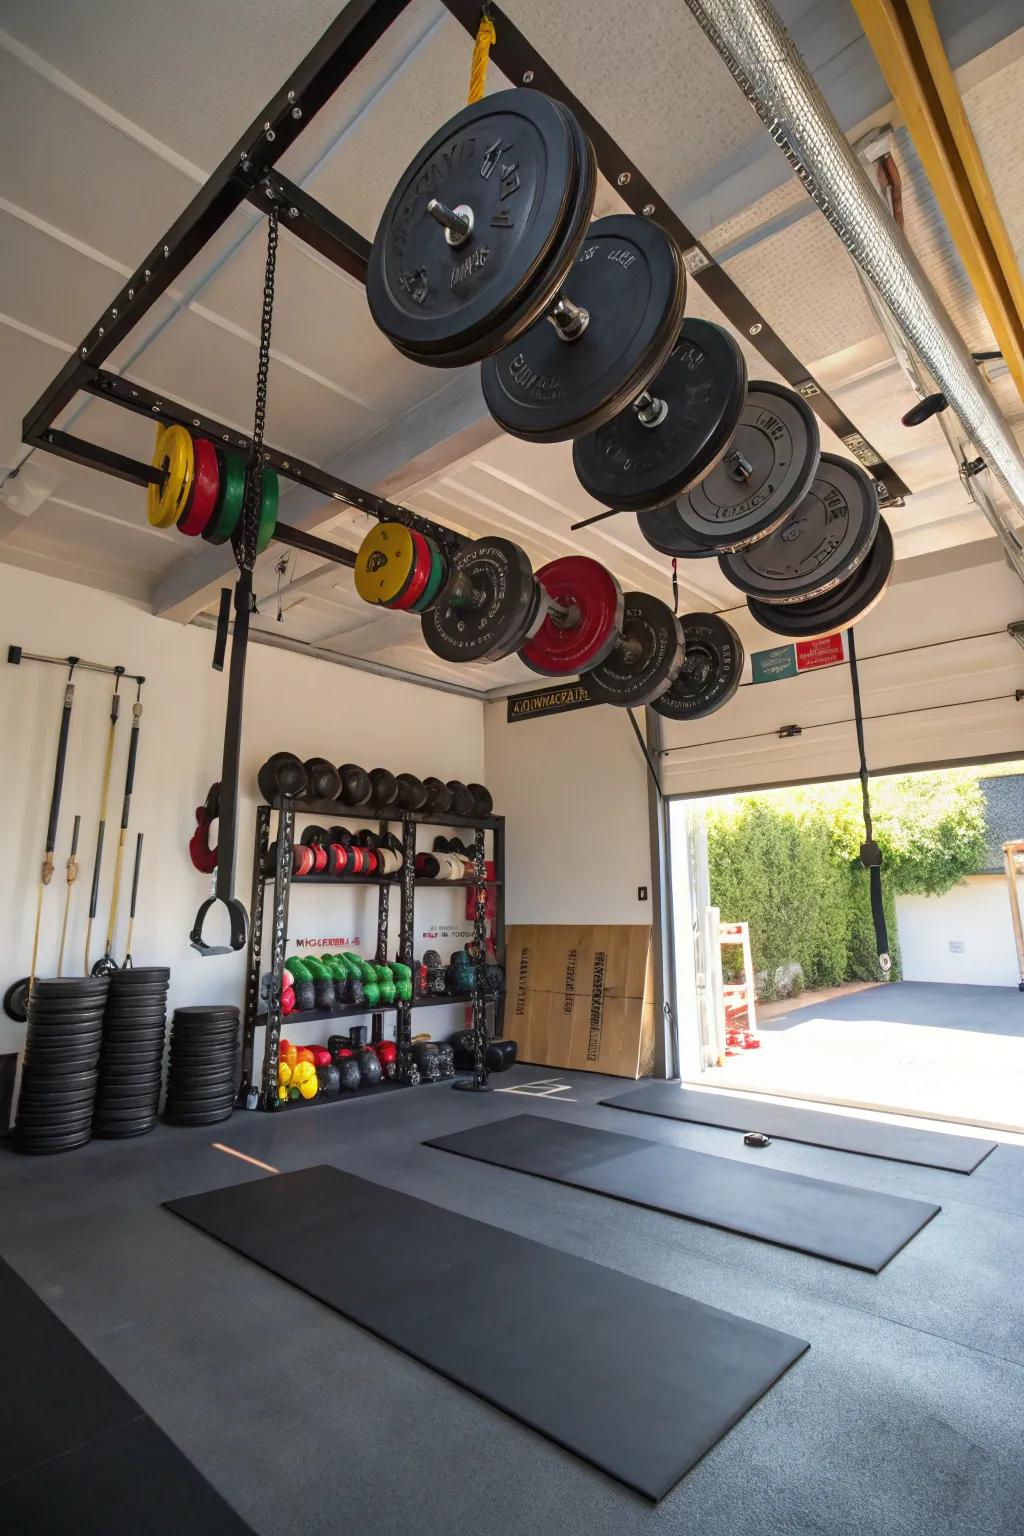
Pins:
x,y
870,853
244,606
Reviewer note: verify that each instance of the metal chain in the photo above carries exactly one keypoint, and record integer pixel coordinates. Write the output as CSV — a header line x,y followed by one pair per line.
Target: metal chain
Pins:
x,y
245,551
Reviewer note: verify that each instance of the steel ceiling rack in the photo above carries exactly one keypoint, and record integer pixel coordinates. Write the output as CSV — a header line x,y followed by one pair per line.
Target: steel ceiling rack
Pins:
x,y
248,174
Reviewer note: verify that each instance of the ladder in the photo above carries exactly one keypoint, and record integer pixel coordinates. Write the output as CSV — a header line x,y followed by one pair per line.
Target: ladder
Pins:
x,y
738,998
1013,862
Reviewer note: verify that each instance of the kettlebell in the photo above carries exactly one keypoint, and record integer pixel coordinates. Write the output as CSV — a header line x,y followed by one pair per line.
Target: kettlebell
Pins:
x,y
355,785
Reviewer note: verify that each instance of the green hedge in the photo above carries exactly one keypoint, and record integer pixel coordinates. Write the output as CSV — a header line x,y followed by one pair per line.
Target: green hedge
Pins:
x,y
786,862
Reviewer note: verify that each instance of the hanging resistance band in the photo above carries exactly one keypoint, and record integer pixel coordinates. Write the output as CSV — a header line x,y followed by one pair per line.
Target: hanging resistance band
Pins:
x,y
870,853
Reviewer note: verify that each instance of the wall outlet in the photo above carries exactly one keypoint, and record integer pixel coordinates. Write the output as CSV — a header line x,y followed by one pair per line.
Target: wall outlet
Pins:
x,y
956,946
641,893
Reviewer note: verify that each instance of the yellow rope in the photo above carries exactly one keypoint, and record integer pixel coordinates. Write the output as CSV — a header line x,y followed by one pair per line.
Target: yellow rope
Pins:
x,y
486,37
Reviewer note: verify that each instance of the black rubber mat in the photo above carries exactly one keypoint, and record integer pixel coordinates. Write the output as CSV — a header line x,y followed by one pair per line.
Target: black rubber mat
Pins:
x,y
636,1380
831,1221
789,1122
77,1453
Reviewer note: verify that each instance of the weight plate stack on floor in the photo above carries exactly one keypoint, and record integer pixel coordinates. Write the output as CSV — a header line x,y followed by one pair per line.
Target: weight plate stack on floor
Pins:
x,y
203,1072
62,1049
132,1054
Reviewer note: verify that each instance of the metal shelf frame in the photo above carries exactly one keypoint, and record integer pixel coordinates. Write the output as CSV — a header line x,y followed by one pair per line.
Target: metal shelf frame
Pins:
x,y
247,174
280,883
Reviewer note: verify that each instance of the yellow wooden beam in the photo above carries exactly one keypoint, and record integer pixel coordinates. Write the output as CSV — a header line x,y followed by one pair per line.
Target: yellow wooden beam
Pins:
x,y
909,51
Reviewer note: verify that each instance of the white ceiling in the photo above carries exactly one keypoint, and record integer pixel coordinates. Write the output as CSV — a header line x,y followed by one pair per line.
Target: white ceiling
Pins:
x,y
112,115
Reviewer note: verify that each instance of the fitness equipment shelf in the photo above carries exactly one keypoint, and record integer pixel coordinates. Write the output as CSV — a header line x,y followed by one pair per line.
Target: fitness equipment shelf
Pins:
x,y
338,812
379,880
357,1010
263,1094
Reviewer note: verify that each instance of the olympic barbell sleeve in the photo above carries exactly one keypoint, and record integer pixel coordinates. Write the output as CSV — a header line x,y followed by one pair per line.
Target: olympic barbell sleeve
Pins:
x,y
457,223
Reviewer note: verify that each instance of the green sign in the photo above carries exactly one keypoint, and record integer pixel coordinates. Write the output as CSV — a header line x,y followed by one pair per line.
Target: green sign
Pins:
x,y
769,666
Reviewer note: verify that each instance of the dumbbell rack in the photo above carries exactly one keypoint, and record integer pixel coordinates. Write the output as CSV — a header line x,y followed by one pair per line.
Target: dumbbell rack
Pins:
x,y
280,882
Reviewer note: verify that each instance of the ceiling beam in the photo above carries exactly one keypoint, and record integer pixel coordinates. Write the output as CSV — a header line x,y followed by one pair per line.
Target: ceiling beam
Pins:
x,y
427,439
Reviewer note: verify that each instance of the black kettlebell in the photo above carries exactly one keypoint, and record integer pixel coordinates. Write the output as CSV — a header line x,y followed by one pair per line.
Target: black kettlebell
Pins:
x,y
282,774
355,785
324,779
384,789
340,835
483,801
462,800
412,792
439,796
351,1076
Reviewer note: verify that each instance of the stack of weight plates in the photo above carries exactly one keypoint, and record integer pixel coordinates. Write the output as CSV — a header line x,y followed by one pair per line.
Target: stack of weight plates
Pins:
x,y
131,1060
203,1074
62,1048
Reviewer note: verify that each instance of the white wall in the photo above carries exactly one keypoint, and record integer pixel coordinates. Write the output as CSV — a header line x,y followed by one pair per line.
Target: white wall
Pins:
x,y
574,792
976,913
306,706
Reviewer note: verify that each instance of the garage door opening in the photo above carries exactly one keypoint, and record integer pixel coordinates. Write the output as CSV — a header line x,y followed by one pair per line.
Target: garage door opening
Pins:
x,y
779,989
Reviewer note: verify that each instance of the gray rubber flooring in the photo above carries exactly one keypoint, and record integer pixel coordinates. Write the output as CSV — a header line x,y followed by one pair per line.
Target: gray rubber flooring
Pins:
x,y
940,1005
905,1418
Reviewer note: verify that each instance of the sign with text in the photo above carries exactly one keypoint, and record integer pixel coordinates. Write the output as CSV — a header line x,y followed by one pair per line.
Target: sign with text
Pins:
x,y
548,701
804,656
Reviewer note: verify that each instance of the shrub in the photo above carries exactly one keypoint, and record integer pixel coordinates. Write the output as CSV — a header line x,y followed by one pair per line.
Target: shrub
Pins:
x,y
787,863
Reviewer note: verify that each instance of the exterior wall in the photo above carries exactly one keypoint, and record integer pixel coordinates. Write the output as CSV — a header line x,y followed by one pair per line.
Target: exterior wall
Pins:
x,y
976,914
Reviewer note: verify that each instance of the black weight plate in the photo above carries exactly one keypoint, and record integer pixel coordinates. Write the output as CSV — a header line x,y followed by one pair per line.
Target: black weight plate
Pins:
x,y
42,1148
202,1039
70,986
16,1000
841,607
123,1131
59,1104
126,1110
820,544
650,624
202,1119
198,1014
778,438
140,1097
536,297
511,159
630,279
69,1081
703,386
135,975
710,674
65,1014
57,1118
500,572
60,1065
63,1036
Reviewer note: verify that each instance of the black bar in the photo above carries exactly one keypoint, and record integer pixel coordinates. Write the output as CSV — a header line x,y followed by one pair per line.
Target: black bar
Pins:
x,y
523,65
309,221
297,538
341,48
96,457
159,408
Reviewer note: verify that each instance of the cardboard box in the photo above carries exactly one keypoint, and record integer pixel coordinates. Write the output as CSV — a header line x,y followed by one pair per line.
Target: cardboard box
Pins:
x,y
582,997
